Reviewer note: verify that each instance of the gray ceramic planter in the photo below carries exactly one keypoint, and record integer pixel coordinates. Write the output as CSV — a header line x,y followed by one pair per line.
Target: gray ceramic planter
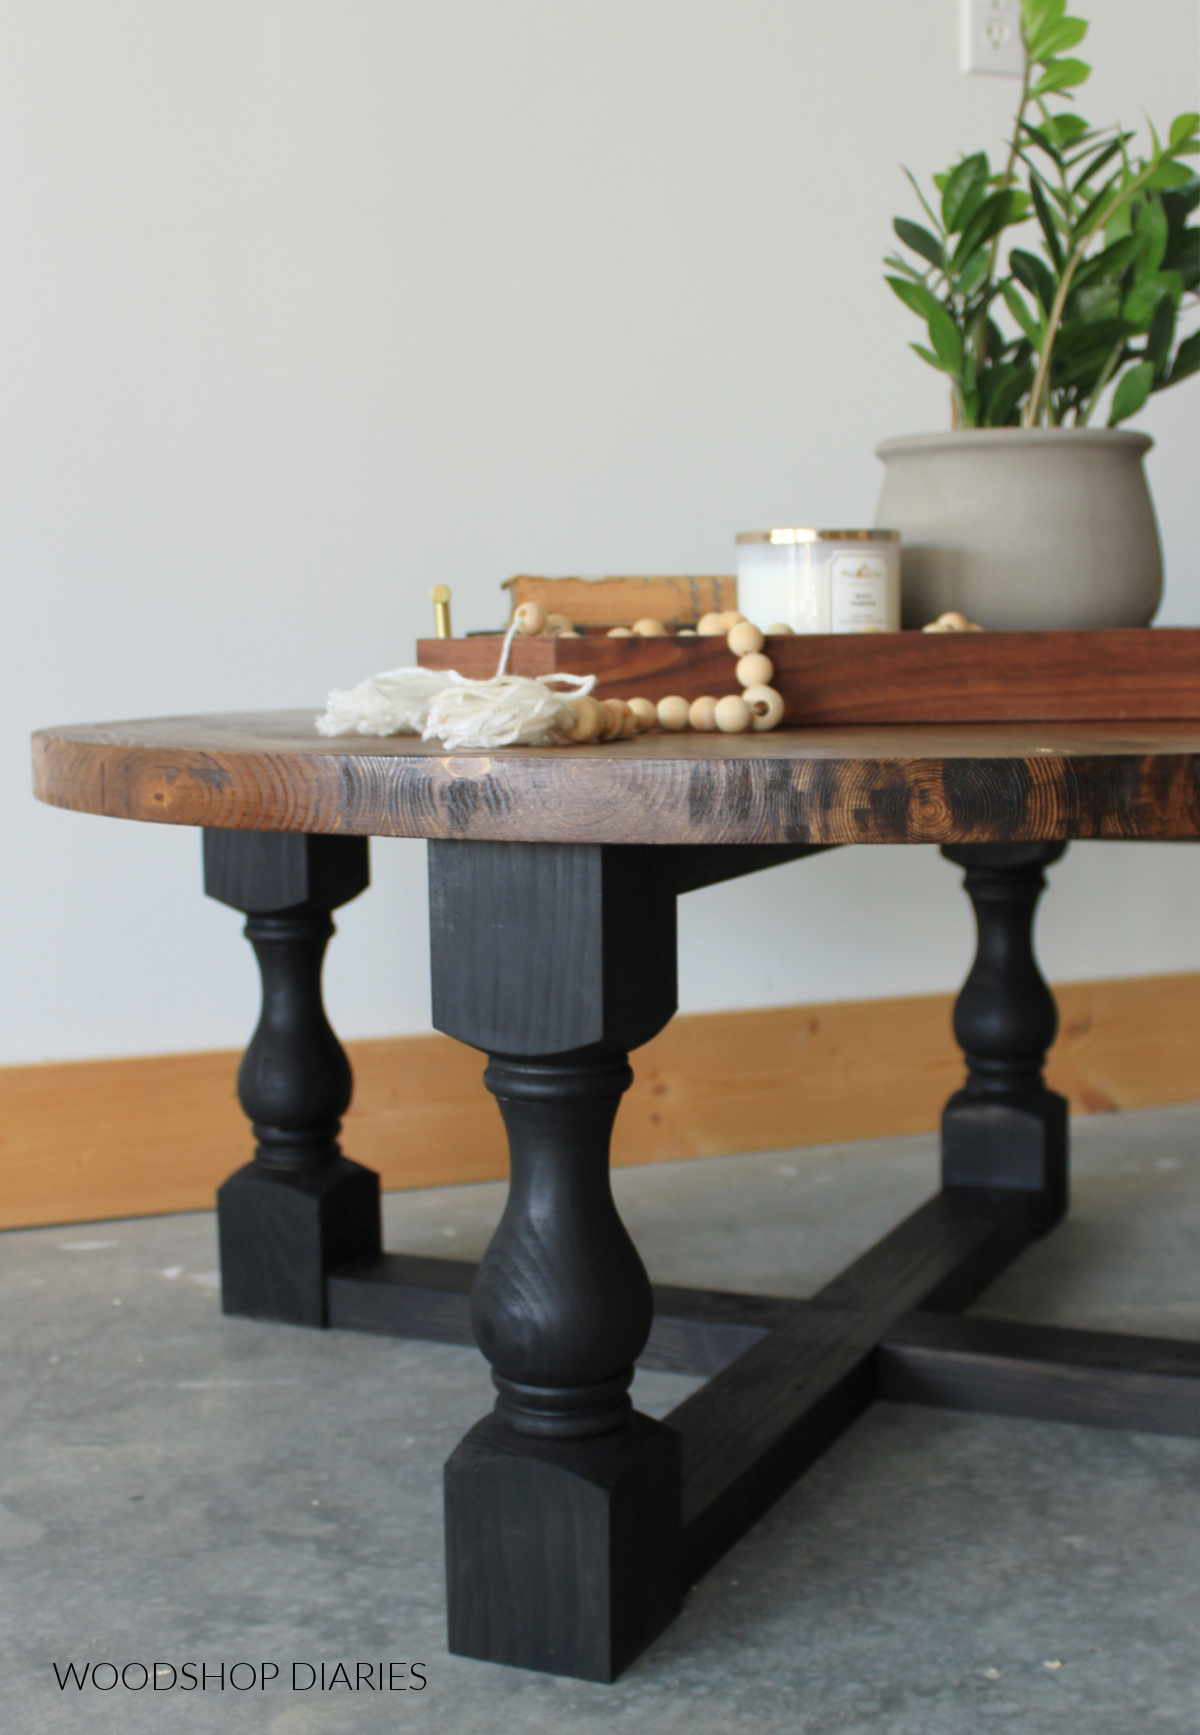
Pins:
x,y
1024,527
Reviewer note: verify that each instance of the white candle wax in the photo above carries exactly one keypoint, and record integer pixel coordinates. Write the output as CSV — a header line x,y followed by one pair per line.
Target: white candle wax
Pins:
x,y
821,581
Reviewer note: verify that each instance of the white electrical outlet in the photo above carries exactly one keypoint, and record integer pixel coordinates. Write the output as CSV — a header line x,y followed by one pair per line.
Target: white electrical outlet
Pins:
x,y
991,37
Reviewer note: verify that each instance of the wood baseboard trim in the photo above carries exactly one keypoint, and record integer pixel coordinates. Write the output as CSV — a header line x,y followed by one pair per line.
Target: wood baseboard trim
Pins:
x,y
85,1140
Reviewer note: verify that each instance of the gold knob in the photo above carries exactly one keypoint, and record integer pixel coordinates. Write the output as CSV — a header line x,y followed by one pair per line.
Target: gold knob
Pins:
x,y
441,610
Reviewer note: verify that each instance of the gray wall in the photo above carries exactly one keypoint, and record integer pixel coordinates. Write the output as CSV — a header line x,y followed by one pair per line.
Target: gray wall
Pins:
x,y
312,305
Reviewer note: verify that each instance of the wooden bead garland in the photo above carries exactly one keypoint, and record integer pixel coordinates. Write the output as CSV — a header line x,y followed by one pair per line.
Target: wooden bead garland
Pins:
x,y
508,710
673,713
766,707
531,619
732,715
590,719
952,622
755,670
759,706
744,639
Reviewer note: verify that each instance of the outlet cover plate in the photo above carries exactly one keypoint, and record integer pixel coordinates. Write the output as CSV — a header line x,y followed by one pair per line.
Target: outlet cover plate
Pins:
x,y
991,37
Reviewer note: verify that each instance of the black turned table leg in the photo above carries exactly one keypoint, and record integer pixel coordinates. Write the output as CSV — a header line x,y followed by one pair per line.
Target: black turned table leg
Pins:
x,y
300,1207
563,1506
1004,1128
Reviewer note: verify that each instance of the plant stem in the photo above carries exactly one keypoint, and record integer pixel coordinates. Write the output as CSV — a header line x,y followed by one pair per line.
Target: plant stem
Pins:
x,y
1006,181
1006,178
1075,259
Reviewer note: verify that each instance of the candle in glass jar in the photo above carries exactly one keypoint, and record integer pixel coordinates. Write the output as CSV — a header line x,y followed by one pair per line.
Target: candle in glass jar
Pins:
x,y
821,581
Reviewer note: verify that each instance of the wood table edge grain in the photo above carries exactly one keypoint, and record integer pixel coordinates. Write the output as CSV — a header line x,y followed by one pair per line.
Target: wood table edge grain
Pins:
x,y
930,783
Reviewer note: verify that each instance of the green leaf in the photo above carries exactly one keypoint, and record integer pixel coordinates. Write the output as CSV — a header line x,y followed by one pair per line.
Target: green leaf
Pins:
x,y
1160,337
1006,386
1046,219
1086,373
894,262
963,191
1182,128
1109,264
1078,338
1062,198
1180,202
1067,128
916,236
1120,223
922,301
997,343
1022,314
1067,33
1088,369
1187,359
1100,200
1174,283
1040,15
927,355
1097,161
1036,276
1152,231
1101,301
972,274
1169,174
1143,299
947,343
925,205
1132,392
1183,254
1061,75
997,211
1042,138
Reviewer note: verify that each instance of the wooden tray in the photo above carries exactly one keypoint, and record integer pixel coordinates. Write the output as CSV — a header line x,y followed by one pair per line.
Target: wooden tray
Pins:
x,y
1135,674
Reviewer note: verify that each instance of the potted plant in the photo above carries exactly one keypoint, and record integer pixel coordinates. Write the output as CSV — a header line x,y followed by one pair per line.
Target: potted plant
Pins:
x,y
1027,513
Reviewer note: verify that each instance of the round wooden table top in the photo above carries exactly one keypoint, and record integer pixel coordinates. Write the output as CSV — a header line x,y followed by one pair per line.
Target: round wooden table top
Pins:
x,y
922,783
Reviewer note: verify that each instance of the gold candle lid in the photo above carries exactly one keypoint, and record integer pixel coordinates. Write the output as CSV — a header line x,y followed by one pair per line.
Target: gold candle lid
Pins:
x,y
786,536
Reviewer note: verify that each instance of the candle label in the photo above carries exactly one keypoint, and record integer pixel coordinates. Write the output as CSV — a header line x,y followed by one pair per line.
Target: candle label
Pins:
x,y
858,592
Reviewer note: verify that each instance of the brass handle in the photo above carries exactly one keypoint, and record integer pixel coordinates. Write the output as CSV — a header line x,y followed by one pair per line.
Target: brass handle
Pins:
x,y
441,610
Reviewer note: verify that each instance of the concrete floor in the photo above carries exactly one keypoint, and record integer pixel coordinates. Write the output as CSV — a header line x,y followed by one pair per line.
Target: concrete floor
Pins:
x,y
178,1487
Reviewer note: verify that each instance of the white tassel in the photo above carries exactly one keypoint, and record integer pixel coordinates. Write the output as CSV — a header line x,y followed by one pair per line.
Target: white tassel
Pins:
x,y
396,703
438,704
507,711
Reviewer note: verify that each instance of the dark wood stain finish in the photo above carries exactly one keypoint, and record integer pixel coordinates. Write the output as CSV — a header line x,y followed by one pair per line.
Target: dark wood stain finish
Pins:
x,y
948,1361
401,1295
758,1425
977,783
912,677
1046,1373
1004,1128
300,1208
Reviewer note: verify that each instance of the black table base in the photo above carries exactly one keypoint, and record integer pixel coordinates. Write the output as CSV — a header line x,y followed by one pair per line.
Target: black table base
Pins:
x,y
573,1524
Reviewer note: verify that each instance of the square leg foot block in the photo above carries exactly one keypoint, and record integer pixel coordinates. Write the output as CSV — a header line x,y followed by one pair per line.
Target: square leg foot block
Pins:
x,y
1020,1143
281,1233
563,1555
